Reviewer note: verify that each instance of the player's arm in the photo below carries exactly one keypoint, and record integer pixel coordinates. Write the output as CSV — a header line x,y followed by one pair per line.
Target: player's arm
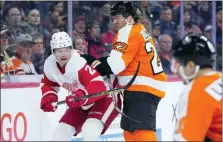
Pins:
x,y
48,86
90,59
104,69
121,55
198,119
49,94
92,82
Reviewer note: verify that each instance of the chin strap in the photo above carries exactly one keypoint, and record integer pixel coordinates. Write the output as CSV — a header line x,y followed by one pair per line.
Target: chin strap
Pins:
x,y
129,23
186,78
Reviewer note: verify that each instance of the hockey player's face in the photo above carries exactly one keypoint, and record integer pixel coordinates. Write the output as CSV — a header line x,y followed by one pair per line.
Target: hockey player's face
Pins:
x,y
63,55
185,71
119,21
189,68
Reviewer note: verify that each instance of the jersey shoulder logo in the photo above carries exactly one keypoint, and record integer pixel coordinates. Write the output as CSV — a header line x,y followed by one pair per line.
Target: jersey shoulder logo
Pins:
x,y
120,46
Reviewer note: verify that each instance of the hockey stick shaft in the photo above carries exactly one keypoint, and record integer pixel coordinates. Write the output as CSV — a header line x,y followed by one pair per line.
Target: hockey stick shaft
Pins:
x,y
93,95
108,91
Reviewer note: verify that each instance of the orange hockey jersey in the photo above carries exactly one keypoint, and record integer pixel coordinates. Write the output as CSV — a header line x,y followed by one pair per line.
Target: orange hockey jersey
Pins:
x,y
199,112
132,44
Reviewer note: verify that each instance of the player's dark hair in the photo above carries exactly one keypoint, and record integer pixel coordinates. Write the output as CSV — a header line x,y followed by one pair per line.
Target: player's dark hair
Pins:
x,y
125,8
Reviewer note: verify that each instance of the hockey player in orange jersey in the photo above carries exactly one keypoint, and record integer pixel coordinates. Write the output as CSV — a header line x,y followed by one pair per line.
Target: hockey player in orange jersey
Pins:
x,y
199,112
133,43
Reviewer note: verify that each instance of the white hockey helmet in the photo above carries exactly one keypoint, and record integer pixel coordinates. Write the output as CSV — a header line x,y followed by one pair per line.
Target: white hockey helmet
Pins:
x,y
60,40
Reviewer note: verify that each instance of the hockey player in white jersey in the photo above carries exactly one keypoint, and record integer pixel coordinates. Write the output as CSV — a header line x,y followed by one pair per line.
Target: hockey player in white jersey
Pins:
x,y
66,68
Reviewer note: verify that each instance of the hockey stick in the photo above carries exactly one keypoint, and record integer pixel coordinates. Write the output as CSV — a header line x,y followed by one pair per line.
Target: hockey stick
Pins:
x,y
108,91
123,114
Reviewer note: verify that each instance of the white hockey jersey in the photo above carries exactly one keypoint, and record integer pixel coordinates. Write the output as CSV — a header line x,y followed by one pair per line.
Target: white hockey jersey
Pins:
x,y
76,74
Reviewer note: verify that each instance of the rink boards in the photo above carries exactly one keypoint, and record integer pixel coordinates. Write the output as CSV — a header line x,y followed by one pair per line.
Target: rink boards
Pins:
x,y
22,119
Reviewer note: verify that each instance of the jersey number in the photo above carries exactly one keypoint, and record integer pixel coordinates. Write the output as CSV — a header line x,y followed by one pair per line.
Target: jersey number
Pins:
x,y
155,62
91,71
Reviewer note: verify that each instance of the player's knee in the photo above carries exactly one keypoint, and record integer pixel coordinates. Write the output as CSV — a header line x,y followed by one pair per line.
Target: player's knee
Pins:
x,y
63,132
92,128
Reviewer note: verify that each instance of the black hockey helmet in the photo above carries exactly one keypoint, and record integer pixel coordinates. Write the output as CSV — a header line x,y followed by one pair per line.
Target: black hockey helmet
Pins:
x,y
196,48
124,8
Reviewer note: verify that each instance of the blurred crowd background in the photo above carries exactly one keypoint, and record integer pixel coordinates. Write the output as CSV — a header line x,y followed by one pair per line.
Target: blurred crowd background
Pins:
x,y
27,26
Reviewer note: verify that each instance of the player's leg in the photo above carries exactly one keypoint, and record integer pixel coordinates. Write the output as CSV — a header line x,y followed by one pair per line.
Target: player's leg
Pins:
x,y
91,129
128,136
145,135
140,106
100,118
69,124
140,135
63,132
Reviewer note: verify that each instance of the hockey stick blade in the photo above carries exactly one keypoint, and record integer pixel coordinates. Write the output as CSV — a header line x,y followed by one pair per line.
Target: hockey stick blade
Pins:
x,y
108,91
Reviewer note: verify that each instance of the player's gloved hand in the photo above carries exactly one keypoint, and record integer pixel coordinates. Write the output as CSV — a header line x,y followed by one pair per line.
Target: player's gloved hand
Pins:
x,y
70,100
49,103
